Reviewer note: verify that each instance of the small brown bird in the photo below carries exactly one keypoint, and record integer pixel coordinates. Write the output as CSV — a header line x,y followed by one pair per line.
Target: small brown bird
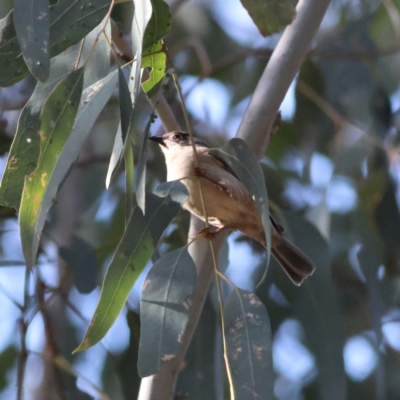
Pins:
x,y
228,204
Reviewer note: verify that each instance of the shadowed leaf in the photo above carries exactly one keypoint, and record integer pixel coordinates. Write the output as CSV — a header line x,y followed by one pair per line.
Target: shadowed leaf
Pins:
x,y
24,152
270,16
164,308
81,258
57,119
133,252
31,20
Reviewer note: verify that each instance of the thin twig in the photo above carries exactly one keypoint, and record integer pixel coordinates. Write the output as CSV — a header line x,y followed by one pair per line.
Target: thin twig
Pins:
x,y
23,355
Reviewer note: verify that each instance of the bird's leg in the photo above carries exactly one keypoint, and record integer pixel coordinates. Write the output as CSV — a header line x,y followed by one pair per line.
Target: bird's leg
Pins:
x,y
209,234
202,173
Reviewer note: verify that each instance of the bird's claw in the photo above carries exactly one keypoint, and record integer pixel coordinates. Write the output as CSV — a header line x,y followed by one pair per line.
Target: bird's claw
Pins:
x,y
200,172
208,233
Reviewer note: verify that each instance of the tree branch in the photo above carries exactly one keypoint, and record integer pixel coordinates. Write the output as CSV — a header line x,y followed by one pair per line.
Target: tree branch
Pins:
x,y
279,73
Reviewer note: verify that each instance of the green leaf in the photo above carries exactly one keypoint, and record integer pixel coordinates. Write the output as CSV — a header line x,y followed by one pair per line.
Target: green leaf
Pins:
x,y
57,119
25,150
270,16
134,251
69,23
239,156
156,61
158,26
8,357
249,343
81,258
164,308
12,65
31,21
115,156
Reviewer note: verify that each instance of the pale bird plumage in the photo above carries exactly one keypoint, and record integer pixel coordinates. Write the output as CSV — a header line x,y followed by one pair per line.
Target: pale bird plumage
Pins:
x,y
228,204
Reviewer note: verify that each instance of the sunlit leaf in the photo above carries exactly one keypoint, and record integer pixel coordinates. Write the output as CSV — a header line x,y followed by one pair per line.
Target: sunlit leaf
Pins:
x,y
24,152
57,119
31,21
156,61
270,16
164,308
134,251
140,179
115,156
249,342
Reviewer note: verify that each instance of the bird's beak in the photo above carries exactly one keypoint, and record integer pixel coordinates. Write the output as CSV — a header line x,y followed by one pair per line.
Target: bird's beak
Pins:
x,y
158,139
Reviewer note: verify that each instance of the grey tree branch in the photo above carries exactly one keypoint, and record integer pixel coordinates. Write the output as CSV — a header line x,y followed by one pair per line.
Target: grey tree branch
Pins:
x,y
255,130
279,73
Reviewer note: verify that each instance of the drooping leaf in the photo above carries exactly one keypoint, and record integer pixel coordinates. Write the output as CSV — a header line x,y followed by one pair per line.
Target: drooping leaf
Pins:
x,y
140,179
98,64
12,65
141,17
25,149
198,376
238,155
270,16
129,184
164,308
81,258
69,23
134,251
125,105
31,21
115,156
155,60
249,343
158,26
57,119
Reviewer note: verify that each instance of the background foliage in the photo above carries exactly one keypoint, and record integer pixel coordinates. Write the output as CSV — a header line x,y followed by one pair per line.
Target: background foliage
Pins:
x,y
331,170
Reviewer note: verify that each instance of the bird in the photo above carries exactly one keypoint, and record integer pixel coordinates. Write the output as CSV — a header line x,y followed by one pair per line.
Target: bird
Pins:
x,y
228,204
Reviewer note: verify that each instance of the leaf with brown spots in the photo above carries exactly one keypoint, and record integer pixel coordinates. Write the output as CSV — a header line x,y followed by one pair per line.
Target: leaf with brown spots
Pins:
x,y
249,342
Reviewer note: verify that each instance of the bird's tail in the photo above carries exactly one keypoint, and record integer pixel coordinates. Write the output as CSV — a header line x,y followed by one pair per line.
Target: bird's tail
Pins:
x,y
294,262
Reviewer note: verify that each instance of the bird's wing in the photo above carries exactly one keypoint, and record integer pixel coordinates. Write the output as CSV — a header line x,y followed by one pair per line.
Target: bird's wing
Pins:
x,y
223,163
217,171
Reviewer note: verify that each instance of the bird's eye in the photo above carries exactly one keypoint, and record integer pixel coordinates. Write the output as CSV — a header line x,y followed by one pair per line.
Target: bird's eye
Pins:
x,y
176,137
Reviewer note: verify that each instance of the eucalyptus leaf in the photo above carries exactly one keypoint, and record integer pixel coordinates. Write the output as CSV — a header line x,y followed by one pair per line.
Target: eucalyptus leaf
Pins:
x,y
164,308
158,26
25,150
57,119
174,189
81,258
69,23
31,21
249,343
156,60
133,252
270,16
98,50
